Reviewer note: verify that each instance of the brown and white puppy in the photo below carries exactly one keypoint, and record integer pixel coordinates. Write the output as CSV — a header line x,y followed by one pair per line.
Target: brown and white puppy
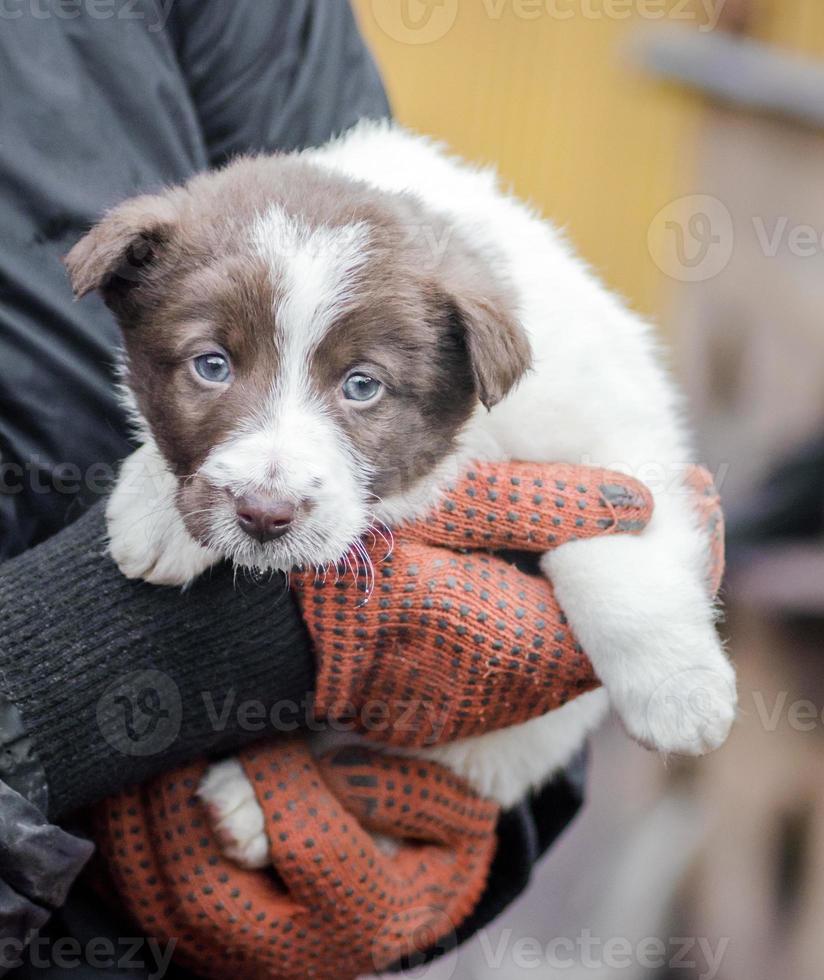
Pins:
x,y
295,351
313,342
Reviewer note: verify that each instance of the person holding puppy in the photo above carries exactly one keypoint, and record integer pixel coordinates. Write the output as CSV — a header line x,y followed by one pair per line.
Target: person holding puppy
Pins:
x,y
107,683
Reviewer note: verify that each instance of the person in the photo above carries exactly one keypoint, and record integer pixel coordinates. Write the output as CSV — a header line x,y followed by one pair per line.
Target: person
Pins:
x,y
102,101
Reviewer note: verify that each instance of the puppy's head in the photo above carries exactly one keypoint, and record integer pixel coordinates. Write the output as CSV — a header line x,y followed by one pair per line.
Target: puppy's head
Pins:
x,y
304,349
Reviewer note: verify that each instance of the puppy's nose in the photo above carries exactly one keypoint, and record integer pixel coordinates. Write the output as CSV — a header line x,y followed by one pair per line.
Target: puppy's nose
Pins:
x,y
264,518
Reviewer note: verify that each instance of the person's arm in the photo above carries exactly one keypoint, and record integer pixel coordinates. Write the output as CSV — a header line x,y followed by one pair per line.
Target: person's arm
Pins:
x,y
117,681
274,76
105,682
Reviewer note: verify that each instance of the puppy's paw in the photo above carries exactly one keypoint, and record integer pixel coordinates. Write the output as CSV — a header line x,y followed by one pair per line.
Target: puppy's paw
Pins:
x,y
686,710
147,537
640,610
235,814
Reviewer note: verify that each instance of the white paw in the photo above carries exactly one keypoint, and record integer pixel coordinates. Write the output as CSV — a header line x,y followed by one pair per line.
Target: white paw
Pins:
x,y
687,711
147,537
235,814
639,608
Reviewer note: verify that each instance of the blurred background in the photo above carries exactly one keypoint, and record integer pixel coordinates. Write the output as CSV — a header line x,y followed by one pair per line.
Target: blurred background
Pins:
x,y
681,145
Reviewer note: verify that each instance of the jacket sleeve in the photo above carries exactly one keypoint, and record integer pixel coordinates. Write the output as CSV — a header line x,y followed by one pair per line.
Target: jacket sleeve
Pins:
x,y
274,75
117,681
105,682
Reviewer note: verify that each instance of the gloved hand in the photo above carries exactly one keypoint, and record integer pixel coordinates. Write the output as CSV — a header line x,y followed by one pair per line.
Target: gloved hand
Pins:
x,y
435,642
339,905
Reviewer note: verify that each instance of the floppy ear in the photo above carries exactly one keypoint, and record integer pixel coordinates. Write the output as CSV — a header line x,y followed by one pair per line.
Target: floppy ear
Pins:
x,y
483,309
497,344
114,255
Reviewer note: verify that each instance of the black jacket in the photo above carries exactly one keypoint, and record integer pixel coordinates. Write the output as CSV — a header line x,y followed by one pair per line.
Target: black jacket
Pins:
x,y
98,102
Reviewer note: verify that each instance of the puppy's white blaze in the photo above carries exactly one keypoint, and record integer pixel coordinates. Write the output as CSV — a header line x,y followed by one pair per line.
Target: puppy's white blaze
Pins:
x,y
315,271
292,449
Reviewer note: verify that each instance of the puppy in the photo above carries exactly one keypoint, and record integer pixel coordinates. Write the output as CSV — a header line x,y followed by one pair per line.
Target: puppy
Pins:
x,y
314,342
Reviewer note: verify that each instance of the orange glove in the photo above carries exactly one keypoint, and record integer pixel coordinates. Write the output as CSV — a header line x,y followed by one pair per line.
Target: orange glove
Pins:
x,y
448,645
339,906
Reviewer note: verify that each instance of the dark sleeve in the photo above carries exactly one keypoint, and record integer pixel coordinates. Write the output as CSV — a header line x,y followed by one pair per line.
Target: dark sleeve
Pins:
x,y
274,75
38,863
108,682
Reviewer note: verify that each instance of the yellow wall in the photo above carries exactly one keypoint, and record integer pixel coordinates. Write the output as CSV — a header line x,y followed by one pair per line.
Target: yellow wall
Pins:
x,y
557,105
794,24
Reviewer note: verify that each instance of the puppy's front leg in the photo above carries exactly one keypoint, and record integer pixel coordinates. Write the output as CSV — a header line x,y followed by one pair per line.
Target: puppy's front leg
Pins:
x,y
639,606
235,814
147,537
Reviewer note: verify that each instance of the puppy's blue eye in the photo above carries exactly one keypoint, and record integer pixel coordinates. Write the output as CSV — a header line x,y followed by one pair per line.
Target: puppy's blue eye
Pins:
x,y
214,368
361,388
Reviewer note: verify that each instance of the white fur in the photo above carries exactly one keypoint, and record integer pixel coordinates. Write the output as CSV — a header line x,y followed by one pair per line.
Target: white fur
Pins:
x,y
317,270
235,814
147,536
598,395
288,447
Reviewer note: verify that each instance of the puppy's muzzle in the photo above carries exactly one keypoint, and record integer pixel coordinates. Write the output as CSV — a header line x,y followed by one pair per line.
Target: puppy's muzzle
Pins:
x,y
264,518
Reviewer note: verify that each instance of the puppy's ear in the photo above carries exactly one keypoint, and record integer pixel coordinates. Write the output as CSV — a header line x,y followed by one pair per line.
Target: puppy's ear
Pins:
x,y
114,256
498,348
483,310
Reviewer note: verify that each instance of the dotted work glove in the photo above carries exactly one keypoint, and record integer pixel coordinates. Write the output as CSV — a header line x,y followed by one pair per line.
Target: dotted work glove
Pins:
x,y
449,642
340,905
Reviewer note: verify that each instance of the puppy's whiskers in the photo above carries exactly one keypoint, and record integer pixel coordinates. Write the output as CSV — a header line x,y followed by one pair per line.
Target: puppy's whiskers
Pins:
x,y
360,554
376,530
